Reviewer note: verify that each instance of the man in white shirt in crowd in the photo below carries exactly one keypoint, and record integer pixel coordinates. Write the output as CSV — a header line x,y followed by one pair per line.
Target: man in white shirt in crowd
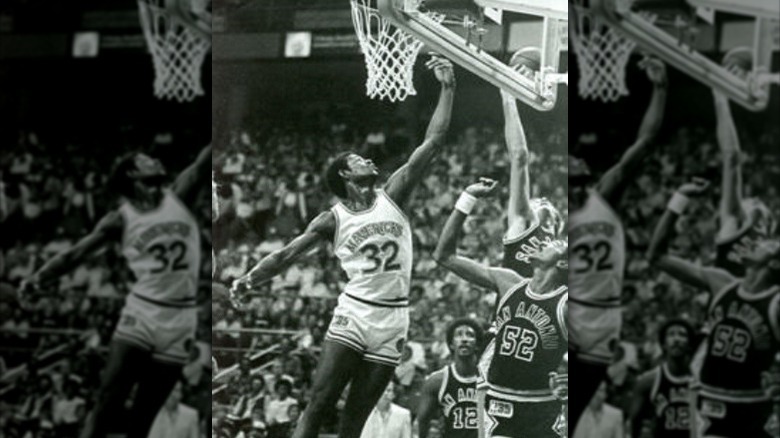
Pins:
x,y
388,420
175,420
69,410
600,420
277,410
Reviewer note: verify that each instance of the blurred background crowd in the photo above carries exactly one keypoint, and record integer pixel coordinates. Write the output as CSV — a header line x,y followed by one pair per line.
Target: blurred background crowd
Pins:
x,y
686,148
270,187
53,190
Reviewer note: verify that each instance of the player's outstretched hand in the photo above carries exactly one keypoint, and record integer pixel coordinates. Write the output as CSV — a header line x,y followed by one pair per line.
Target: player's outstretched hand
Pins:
x,y
695,188
27,291
443,70
484,188
655,68
235,293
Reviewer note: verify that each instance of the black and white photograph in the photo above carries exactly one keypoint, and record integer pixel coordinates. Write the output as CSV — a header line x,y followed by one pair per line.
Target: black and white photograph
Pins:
x,y
105,157
390,204
675,257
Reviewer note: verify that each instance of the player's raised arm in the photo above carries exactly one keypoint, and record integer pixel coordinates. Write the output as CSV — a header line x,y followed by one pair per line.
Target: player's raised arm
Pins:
x,y
683,270
519,211
612,183
429,403
109,228
445,253
190,181
730,213
321,228
402,183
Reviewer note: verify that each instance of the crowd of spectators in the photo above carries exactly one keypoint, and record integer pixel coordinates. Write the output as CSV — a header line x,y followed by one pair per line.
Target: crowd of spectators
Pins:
x,y
271,186
651,297
51,355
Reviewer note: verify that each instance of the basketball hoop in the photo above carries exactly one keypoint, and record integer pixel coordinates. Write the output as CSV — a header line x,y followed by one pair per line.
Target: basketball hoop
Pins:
x,y
389,52
178,49
602,56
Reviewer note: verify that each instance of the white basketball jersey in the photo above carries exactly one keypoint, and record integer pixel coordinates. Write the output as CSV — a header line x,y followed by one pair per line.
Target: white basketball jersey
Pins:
x,y
162,248
375,249
597,261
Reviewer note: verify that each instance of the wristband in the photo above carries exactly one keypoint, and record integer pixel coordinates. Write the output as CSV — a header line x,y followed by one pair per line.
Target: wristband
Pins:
x,y
466,203
678,203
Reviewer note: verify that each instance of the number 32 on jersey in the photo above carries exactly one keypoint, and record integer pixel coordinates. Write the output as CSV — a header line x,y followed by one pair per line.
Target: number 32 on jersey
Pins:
x,y
592,257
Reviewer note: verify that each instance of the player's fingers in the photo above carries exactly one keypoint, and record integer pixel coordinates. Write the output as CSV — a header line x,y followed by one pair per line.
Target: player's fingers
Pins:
x,y
431,63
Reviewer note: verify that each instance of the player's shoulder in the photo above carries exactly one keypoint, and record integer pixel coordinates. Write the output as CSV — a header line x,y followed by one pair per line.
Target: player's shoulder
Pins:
x,y
718,278
325,222
507,279
646,380
112,221
435,378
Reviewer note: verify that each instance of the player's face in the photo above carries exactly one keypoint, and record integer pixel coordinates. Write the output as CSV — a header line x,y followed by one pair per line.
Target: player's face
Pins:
x,y
549,218
148,176
550,257
676,342
149,189
464,341
361,167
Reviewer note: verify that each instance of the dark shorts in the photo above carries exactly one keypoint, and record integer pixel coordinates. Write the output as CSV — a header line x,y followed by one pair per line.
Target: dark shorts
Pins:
x,y
513,419
725,419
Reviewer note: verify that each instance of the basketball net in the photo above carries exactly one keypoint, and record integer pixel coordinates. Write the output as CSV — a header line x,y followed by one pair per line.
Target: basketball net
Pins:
x,y
602,57
177,50
389,52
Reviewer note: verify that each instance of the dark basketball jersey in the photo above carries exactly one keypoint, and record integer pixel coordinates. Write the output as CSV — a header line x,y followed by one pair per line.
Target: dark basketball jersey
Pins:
x,y
519,249
458,401
743,337
729,252
530,342
669,399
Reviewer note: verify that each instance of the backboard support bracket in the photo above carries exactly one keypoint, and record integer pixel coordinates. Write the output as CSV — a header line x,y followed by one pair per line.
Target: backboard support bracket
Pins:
x,y
541,94
557,9
751,93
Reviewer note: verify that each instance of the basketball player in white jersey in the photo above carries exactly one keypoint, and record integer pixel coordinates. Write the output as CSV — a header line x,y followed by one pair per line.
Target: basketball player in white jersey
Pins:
x,y
372,237
160,241
742,221
450,392
598,252
734,371
531,330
